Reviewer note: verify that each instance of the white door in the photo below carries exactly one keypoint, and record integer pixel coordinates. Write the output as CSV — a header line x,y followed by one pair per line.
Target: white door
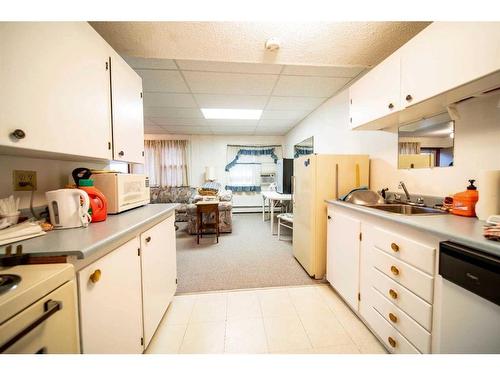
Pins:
x,y
55,88
446,55
110,302
128,121
343,255
159,273
376,94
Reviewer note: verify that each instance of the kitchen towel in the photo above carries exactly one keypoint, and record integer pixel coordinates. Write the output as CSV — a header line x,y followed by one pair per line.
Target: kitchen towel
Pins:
x,y
488,185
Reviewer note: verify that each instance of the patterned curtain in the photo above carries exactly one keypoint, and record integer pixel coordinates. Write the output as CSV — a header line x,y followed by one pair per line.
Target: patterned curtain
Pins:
x,y
409,148
166,162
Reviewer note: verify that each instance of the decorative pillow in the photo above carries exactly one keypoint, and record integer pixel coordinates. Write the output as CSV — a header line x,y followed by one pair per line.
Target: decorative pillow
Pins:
x,y
212,185
203,191
225,195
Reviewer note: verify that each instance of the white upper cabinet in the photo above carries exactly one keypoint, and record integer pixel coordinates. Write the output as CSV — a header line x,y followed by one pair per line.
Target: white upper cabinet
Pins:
x,y
376,95
128,121
446,55
54,89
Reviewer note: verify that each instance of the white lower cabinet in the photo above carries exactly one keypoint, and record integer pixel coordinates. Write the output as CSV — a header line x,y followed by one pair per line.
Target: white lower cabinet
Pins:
x,y
159,274
110,302
395,267
124,295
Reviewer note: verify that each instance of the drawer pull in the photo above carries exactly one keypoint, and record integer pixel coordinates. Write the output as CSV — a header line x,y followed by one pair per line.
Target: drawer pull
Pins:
x,y
394,247
394,270
95,276
393,294
392,342
393,318
148,239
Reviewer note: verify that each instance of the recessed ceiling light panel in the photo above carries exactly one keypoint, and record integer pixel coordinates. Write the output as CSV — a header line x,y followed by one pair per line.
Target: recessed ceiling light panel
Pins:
x,y
231,114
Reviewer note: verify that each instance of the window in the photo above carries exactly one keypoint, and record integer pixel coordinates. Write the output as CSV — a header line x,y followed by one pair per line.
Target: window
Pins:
x,y
166,162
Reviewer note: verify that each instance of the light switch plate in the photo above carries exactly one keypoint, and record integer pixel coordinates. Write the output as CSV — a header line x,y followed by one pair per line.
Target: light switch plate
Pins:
x,y
24,180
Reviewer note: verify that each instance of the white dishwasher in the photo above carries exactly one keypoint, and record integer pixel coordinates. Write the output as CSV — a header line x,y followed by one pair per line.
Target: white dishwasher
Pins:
x,y
469,319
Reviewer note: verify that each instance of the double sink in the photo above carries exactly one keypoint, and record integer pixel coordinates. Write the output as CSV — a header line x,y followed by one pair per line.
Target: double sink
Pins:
x,y
406,209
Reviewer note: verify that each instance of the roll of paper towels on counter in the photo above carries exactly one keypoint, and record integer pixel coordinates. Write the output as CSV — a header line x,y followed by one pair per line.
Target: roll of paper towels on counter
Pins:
x,y
488,185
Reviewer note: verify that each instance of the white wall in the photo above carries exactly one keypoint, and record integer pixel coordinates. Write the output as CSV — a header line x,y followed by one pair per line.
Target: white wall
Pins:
x,y
51,175
210,150
477,139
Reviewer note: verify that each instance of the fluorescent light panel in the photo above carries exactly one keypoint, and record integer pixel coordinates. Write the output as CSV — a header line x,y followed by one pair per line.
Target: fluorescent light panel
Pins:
x,y
232,114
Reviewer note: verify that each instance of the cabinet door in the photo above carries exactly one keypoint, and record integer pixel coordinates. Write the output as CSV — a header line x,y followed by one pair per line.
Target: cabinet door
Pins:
x,y
110,305
343,255
159,273
446,55
55,87
128,121
376,94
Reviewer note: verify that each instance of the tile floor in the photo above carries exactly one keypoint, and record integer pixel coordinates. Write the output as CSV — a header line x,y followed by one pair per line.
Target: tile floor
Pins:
x,y
293,320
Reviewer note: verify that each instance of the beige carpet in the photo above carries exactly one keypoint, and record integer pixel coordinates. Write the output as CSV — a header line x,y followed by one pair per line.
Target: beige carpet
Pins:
x,y
250,257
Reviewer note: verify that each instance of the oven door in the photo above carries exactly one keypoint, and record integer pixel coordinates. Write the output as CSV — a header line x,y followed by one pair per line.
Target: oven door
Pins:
x,y
48,326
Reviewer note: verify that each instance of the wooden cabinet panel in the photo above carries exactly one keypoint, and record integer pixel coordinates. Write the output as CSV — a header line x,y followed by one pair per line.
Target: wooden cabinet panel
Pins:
x,y
55,87
159,273
110,306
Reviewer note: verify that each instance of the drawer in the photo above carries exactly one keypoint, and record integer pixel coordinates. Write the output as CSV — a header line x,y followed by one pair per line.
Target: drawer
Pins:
x,y
407,301
390,337
412,278
419,255
405,325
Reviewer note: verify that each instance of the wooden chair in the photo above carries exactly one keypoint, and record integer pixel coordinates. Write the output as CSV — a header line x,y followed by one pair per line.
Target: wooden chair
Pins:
x,y
207,208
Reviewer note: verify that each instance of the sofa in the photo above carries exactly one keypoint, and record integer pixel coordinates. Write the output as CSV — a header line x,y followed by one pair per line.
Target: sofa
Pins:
x,y
184,195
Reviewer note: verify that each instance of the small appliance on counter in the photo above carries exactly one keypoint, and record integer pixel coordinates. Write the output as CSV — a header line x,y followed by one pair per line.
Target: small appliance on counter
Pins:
x,y
464,203
98,202
489,198
68,208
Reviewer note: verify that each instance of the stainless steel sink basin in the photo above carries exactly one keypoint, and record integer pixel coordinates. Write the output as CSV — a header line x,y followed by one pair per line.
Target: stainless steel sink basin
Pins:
x,y
406,209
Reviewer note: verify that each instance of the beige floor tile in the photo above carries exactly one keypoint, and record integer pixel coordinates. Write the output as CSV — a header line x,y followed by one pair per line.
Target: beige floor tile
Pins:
x,y
180,309
357,330
323,329
285,333
372,348
167,339
332,299
209,308
337,349
203,338
243,305
276,302
245,336
308,300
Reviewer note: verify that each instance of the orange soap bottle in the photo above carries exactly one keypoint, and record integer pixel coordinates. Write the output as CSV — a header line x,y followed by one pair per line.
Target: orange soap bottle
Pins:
x,y
98,202
464,203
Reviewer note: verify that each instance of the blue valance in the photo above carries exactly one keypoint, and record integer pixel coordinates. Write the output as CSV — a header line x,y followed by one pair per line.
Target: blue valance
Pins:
x,y
245,189
252,151
299,151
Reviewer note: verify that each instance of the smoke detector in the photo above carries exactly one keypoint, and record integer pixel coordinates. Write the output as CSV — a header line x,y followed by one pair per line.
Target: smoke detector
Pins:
x,y
272,44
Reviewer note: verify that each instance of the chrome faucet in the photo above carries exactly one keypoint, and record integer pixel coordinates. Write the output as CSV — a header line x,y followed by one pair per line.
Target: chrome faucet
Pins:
x,y
403,186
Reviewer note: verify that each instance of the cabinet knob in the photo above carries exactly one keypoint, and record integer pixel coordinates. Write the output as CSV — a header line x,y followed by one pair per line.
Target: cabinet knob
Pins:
x,y
393,294
390,106
391,341
148,239
329,217
96,275
394,247
408,97
395,270
121,153
18,134
393,318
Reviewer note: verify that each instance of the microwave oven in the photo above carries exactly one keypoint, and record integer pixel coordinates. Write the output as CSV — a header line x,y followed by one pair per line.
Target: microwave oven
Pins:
x,y
123,191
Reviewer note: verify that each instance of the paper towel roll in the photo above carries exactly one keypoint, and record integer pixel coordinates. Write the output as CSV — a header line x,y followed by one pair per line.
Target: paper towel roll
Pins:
x,y
488,185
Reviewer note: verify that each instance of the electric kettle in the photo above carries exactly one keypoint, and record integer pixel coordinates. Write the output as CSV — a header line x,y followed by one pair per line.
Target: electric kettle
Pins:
x,y
68,208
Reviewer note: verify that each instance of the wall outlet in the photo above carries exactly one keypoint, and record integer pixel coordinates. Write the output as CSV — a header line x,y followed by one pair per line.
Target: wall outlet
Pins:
x,y
24,180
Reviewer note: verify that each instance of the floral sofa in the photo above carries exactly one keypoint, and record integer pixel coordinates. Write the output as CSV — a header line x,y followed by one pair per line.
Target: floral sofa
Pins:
x,y
186,212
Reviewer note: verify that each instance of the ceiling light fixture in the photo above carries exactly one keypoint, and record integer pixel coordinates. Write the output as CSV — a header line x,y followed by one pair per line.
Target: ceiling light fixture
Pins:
x,y
231,114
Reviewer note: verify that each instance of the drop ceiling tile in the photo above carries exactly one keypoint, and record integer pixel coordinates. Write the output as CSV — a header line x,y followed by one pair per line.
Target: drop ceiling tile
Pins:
x,y
228,131
230,83
229,67
163,99
308,86
294,103
166,121
323,71
232,123
146,63
283,115
187,129
278,131
162,81
172,112
153,129
277,123
231,101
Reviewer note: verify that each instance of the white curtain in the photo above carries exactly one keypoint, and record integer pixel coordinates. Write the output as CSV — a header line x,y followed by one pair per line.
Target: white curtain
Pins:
x,y
166,162
409,148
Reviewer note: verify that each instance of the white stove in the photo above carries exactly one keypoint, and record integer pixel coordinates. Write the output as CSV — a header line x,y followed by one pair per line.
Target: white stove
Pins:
x,y
38,309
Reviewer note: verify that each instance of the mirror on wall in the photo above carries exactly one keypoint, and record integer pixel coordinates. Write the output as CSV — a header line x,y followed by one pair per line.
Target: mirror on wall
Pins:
x,y
427,143
305,147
